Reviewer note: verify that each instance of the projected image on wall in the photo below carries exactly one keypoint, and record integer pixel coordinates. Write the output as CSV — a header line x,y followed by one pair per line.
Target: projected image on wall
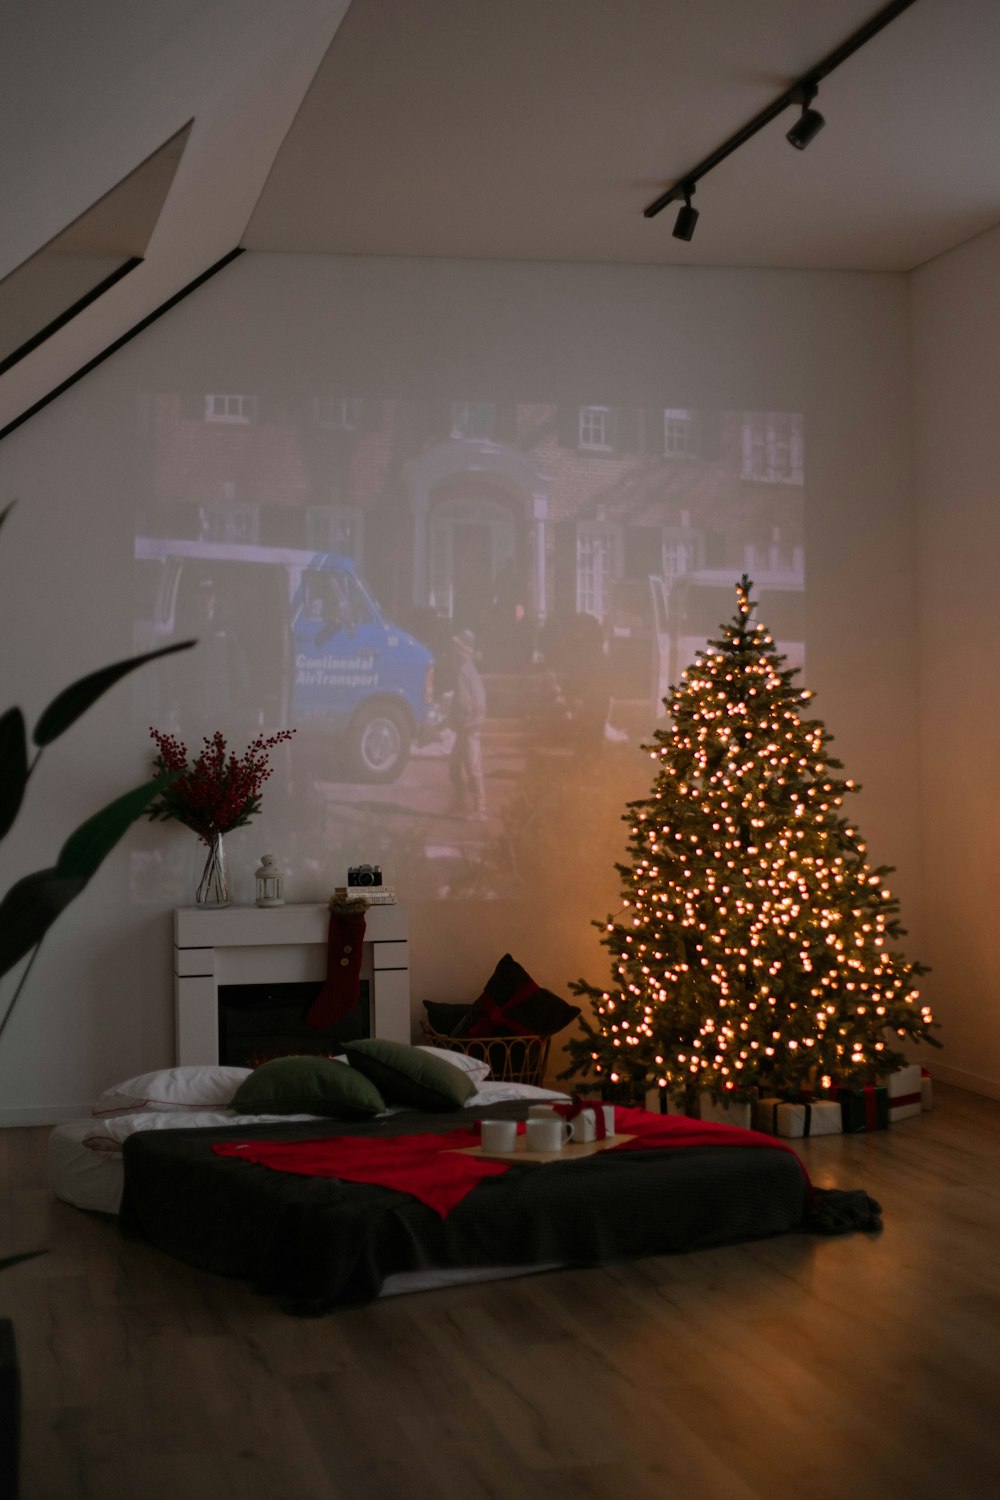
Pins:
x,y
469,611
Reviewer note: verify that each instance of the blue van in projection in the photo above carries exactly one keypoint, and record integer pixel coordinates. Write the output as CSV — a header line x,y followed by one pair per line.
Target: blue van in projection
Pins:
x,y
298,640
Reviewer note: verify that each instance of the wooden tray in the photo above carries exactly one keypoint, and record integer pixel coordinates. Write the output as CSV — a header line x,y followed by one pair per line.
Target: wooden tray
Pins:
x,y
520,1154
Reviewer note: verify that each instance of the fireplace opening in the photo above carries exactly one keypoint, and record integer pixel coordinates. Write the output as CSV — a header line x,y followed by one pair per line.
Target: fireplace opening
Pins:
x,y
261,1021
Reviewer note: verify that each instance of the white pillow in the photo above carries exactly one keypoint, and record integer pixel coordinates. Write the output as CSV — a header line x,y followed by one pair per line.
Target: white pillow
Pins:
x,y
200,1086
489,1094
474,1066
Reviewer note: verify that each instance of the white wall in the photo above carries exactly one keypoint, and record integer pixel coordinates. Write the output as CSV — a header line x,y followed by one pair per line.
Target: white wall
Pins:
x,y
99,1003
956,377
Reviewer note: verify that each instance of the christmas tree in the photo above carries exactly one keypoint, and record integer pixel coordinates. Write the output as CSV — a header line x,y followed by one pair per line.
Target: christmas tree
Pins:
x,y
754,946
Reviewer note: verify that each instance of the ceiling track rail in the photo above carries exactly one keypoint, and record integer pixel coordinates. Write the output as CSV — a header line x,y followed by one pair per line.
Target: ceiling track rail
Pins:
x,y
806,85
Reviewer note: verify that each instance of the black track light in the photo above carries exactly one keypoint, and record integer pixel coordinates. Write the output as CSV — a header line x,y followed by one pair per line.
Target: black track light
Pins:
x,y
808,125
810,122
687,217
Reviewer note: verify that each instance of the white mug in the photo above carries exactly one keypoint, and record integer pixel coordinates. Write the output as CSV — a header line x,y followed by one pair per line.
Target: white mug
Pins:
x,y
498,1135
547,1135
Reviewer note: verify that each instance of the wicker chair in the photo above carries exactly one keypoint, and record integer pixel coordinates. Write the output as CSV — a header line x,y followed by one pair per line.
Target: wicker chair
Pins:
x,y
512,1059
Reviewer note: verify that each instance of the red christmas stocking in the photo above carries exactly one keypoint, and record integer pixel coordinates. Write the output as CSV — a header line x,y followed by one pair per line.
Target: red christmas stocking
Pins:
x,y
343,968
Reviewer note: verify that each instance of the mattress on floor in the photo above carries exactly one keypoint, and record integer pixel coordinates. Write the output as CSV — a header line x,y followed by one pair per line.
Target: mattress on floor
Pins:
x,y
86,1176
318,1242
85,1170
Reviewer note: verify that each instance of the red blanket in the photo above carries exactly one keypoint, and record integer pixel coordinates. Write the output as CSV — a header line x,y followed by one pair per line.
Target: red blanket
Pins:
x,y
654,1132
429,1168
425,1166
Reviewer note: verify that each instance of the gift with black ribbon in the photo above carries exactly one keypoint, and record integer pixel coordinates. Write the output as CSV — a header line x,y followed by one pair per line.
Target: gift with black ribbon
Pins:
x,y
797,1119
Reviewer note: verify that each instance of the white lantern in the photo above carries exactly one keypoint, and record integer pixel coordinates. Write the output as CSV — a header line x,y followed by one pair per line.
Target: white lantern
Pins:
x,y
269,882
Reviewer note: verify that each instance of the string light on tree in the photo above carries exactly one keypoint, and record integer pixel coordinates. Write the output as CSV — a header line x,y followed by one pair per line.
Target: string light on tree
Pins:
x,y
755,945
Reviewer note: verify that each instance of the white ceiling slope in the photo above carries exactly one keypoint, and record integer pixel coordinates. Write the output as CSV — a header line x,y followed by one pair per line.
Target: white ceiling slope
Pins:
x,y
90,88
540,129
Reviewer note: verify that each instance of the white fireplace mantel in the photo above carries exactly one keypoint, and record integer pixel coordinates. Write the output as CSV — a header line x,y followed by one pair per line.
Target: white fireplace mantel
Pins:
x,y
279,945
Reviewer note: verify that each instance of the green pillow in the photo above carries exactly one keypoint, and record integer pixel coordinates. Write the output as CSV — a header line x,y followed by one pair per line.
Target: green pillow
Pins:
x,y
407,1075
308,1086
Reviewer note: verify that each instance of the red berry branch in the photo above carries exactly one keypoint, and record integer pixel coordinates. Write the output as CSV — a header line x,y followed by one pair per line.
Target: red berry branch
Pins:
x,y
220,790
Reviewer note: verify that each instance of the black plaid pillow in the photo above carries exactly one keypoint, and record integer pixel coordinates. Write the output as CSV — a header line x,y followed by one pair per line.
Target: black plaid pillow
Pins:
x,y
513,1004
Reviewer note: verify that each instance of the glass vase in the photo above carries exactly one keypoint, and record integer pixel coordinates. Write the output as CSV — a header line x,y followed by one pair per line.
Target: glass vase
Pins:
x,y
213,888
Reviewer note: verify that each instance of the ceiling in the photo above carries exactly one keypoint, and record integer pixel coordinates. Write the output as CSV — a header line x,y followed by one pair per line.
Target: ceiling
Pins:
x,y
540,129
499,129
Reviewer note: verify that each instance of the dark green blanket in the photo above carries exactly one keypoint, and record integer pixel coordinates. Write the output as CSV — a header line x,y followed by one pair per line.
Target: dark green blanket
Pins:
x,y
319,1243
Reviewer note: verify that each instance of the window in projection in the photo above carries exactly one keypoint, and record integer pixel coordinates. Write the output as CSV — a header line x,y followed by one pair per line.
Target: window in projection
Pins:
x,y
470,611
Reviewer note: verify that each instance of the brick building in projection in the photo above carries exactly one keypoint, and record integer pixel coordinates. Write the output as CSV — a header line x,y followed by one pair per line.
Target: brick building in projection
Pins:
x,y
514,519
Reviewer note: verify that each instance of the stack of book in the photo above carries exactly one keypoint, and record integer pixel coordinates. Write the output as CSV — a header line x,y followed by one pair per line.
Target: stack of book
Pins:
x,y
376,895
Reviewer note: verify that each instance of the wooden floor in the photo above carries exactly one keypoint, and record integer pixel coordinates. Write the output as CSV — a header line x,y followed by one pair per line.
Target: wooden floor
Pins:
x,y
792,1369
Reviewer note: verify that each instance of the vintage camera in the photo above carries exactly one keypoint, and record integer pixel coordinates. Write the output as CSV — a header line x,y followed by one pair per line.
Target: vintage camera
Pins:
x,y
364,875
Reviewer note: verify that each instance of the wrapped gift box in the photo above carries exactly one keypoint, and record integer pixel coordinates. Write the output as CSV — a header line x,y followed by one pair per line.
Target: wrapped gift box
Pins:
x,y
725,1113
591,1119
797,1120
926,1089
905,1094
864,1108
662,1102
764,1114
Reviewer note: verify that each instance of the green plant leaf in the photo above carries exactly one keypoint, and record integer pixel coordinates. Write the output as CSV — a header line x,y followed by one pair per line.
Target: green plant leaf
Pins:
x,y
74,700
32,905
84,850
13,766
29,909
